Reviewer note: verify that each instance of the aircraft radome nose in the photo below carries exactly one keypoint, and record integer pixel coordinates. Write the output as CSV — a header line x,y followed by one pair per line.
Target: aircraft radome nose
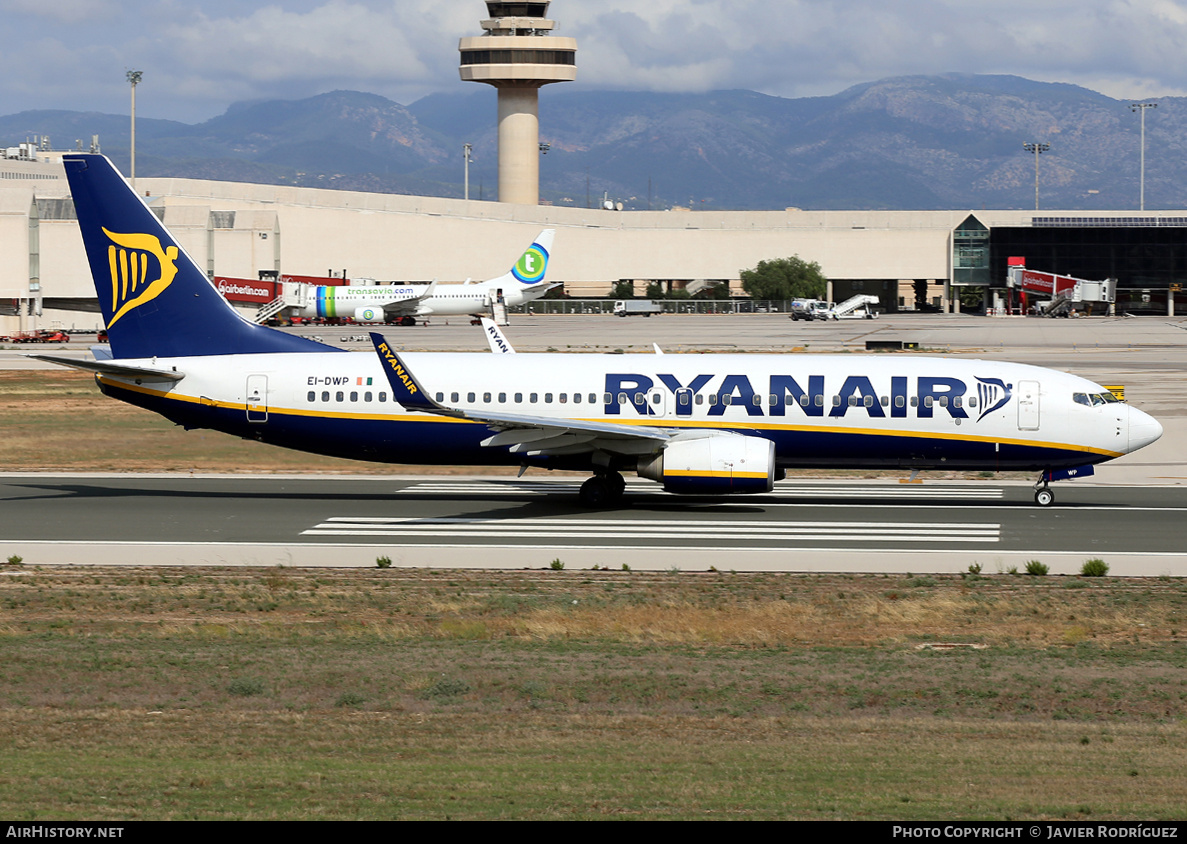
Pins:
x,y
1143,429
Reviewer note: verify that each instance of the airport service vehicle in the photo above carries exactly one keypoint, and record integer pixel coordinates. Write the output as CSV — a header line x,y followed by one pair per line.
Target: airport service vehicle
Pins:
x,y
810,309
697,424
44,335
403,304
855,307
632,307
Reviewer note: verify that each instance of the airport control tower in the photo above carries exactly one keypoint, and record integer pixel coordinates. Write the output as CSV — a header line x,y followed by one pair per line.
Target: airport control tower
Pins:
x,y
518,55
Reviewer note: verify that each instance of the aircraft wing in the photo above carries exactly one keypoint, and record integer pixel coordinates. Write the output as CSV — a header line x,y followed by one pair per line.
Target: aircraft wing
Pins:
x,y
107,367
524,434
400,307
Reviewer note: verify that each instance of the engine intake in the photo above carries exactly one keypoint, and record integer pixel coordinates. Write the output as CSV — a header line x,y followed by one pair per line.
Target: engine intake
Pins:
x,y
713,464
368,314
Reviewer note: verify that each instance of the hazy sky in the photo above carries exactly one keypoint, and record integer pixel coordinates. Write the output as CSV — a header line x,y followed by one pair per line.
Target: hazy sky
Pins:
x,y
199,56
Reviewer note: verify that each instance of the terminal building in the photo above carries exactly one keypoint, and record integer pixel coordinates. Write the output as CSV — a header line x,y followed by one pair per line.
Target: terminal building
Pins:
x,y
941,261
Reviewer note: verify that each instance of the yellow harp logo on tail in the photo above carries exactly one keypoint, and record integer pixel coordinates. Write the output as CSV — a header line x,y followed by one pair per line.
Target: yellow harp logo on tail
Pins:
x,y
128,258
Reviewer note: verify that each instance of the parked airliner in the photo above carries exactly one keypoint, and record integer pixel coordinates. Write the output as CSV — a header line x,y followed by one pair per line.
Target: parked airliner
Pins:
x,y
699,424
523,283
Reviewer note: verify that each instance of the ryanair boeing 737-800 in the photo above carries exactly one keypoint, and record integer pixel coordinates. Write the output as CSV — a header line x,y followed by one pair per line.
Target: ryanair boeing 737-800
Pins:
x,y
699,424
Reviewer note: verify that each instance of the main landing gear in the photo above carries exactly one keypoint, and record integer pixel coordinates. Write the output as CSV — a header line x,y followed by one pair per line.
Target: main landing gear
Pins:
x,y
602,490
1044,496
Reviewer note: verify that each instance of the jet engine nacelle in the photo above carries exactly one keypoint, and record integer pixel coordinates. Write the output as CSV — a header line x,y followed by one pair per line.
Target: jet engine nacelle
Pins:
x,y
713,464
368,314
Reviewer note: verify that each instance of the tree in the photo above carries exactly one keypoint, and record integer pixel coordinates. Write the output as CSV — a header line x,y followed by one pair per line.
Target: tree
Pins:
x,y
785,278
623,290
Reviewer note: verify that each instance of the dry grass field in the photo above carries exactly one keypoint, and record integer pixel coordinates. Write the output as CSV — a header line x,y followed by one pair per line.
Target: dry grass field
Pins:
x,y
387,693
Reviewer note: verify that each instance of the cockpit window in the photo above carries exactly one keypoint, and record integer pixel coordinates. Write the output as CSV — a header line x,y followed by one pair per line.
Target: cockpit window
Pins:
x,y
1095,399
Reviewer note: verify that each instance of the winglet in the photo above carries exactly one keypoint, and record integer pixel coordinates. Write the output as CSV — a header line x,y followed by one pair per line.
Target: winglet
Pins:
x,y
405,388
495,339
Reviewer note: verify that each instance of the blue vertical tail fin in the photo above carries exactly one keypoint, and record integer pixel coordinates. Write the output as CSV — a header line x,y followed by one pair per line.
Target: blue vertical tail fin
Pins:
x,y
156,302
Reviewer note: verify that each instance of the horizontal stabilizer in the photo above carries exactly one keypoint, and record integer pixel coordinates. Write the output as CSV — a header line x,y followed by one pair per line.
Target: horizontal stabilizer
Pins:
x,y
108,367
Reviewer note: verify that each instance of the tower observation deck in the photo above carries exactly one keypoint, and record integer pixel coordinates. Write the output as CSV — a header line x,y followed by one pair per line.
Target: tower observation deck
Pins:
x,y
518,55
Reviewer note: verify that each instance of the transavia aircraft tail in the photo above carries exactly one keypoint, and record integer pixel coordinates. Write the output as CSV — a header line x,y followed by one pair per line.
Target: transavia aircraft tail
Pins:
x,y
699,424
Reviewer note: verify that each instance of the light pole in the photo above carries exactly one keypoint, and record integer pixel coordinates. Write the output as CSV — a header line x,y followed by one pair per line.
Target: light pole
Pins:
x,y
1141,109
1037,149
134,79
467,153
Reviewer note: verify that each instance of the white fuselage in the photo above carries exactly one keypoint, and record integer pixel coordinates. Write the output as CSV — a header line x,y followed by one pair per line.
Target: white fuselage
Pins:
x,y
410,299
843,411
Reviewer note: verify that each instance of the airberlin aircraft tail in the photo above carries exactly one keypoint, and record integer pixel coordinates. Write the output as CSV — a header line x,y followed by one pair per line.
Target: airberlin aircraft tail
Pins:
x,y
156,302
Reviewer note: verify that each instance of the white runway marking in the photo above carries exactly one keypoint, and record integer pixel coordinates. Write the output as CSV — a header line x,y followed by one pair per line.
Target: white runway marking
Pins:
x,y
703,532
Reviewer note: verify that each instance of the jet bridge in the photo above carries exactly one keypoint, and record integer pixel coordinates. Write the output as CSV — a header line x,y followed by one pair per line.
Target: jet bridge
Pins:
x,y
1054,295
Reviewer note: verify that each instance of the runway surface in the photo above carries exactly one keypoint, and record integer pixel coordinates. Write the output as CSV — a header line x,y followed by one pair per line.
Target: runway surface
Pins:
x,y
478,522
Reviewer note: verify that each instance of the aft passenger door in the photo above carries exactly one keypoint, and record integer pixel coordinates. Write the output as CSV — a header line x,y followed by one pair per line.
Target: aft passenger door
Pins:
x,y
257,399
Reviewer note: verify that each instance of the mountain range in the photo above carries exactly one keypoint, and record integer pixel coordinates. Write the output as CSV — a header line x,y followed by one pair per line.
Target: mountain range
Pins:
x,y
917,142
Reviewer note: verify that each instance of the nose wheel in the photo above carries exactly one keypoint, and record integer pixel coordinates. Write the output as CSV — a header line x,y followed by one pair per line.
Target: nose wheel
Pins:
x,y
1044,495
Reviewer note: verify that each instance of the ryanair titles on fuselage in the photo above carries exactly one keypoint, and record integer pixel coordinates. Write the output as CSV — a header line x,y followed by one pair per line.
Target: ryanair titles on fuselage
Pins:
x,y
812,395
856,394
